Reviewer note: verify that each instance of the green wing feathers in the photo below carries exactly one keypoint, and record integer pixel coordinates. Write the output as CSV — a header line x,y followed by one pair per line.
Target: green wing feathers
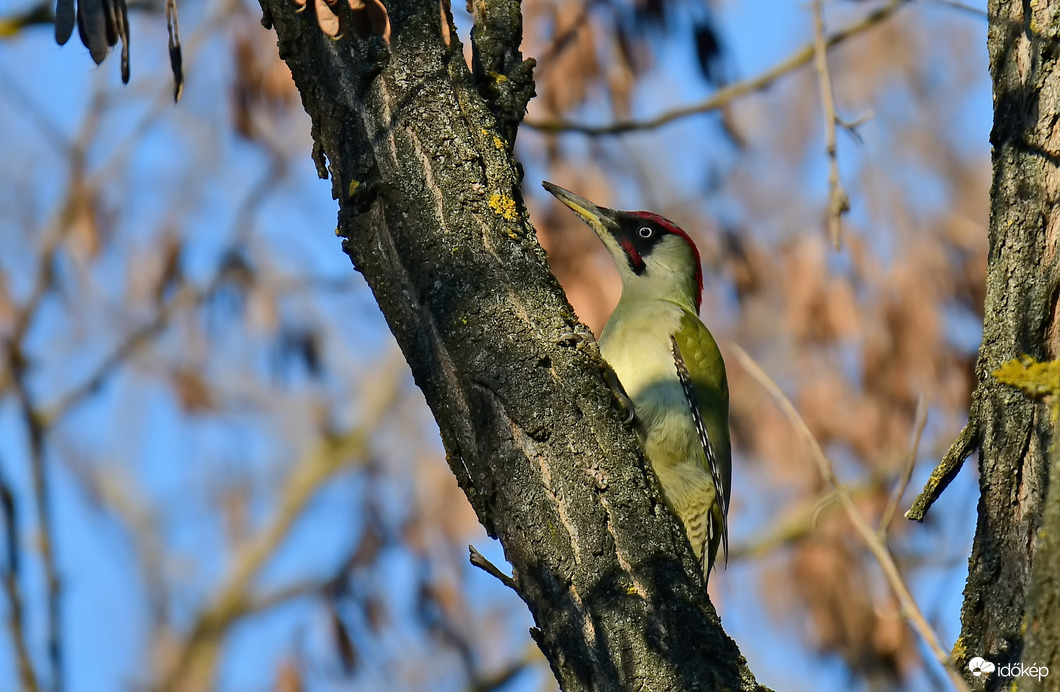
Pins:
x,y
702,373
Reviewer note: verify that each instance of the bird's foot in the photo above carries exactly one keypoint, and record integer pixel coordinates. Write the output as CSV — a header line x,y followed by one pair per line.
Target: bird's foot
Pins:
x,y
582,342
579,340
625,404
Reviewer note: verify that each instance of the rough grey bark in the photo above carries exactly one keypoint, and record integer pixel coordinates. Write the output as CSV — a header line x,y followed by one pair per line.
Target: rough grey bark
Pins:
x,y
420,157
1010,598
1042,628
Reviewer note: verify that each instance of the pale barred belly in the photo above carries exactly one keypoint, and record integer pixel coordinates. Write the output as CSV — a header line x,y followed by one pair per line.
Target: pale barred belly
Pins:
x,y
643,362
671,444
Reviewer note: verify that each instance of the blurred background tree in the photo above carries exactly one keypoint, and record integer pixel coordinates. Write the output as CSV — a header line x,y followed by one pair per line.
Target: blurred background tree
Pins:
x,y
216,473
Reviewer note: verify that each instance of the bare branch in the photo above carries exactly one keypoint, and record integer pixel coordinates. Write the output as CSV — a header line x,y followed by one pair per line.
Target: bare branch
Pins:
x,y
907,469
192,667
798,523
194,663
500,679
946,470
954,5
561,41
35,431
12,589
883,556
36,424
723,96
838,202
132,343
479,560
27,105
280,595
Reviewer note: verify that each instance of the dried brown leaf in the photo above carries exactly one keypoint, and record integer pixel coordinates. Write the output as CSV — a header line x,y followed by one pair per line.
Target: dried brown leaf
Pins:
x,y
288,678
193,391
327,20
375,612
379,18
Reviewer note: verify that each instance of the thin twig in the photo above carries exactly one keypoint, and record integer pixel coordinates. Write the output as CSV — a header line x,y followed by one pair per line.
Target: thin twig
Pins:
x,y
27,106
35,431
947,469
953,5
44,275
872,540
193,665
194,662
561,42
479,560
80,186
162,102
794,525
118,492
280,595
123,351
723,96
500,679
838,202
907,469
53,234
15,620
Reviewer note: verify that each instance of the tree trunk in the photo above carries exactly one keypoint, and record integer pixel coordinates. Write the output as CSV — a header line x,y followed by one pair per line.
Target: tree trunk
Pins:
x,y
1009,613
419,152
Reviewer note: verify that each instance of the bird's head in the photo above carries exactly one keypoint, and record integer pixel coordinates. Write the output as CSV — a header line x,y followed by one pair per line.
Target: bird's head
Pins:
x,y
653,255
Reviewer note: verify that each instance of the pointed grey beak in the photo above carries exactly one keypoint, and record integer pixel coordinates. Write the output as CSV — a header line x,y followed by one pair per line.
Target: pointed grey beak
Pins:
x,y
600,219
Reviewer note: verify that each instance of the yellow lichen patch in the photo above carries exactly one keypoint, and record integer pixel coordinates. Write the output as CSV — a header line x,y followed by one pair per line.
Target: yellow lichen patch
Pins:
x,y
498,143
1037,380
1034,379
354,185
959,653
503,206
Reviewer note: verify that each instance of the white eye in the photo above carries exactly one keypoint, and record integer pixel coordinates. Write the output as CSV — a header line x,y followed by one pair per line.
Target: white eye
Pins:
x,y
645,232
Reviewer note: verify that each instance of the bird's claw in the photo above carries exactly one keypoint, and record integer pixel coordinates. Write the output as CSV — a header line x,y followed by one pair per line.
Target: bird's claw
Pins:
x,y
625,404
579,341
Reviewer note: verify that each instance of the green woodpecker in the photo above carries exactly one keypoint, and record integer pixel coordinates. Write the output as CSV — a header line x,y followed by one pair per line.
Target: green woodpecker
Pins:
x,y
669,365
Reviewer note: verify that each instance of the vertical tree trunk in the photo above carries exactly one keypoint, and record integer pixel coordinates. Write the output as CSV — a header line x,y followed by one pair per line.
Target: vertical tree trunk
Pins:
x,y
420,157
1006,592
